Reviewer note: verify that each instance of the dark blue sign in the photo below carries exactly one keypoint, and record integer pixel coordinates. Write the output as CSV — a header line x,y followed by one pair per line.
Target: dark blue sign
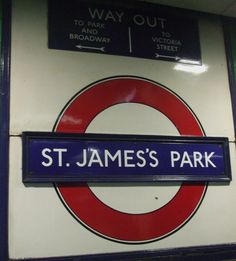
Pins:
x,y
142,30
54,157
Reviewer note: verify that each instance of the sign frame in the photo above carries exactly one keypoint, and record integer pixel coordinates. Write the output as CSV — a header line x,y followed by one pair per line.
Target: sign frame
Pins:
x,y
37,176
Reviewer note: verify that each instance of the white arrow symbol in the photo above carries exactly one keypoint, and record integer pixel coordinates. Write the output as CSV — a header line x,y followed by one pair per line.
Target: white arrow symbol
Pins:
x,y
167,56
102,49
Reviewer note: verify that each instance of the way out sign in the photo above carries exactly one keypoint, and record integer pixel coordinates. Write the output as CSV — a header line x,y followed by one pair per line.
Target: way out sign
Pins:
x,y
58,157
113,28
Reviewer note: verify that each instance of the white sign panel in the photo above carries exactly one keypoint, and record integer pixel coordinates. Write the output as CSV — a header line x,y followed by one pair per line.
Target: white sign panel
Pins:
x,y
46,221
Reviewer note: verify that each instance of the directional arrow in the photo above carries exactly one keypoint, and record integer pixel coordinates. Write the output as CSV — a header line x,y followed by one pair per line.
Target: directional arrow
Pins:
x,y
176,58
102,49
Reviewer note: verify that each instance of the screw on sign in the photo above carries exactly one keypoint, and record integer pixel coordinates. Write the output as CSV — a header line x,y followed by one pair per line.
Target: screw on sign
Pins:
x,y
111,223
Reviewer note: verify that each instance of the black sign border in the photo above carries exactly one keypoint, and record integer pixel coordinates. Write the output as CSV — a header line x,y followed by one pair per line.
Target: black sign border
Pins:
x,y
32,178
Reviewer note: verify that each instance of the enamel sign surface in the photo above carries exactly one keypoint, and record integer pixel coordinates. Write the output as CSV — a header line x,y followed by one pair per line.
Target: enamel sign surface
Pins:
x,y
49,157
114,29
82,93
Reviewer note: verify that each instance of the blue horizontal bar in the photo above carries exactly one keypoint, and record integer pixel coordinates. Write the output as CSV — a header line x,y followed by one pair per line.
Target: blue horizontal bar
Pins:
x,y
49,157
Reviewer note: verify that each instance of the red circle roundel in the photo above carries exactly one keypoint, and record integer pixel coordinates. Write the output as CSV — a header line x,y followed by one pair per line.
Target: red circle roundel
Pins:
x,y
81,201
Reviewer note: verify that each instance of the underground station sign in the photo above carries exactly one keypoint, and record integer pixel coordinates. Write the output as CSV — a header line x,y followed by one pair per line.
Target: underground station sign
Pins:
x,y
142,30
61,157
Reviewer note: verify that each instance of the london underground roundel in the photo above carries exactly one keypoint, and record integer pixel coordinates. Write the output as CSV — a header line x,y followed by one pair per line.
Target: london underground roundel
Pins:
x,y
85,206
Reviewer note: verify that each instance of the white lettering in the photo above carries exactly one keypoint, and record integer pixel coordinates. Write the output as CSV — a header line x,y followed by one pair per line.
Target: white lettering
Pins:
x,y
139,20
207,159
59,151
79,22
112,16
95,158
90,38
96,13
156,161
162,20
140,157
108,156
84,162
89,31
197,159
119,15
166,41
186,160
49,158
170,48
96,24
175,156
128,157
149,21
194,160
